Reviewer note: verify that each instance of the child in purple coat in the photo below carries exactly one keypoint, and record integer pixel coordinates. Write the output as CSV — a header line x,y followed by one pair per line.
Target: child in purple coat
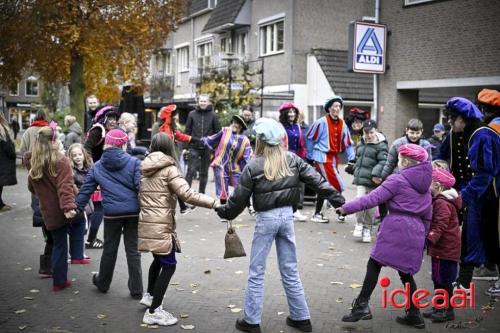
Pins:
x,y
401,236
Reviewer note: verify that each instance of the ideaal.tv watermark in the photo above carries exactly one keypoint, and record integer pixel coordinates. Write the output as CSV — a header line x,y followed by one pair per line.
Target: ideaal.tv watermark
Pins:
x,y
439,300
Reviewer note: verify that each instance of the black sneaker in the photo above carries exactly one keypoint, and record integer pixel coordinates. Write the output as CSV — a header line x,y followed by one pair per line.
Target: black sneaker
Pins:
x,y
360,311
411,318
301,325
242,325
95,244
94,281
443,315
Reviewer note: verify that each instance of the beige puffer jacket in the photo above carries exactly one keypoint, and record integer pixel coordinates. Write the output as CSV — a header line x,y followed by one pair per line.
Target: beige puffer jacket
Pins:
x,y
161,183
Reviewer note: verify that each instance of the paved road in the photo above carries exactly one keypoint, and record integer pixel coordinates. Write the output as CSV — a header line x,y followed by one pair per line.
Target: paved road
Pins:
x,y
204,285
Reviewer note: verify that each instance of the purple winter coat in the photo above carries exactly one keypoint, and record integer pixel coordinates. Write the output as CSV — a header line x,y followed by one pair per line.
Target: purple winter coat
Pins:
x,y
401,236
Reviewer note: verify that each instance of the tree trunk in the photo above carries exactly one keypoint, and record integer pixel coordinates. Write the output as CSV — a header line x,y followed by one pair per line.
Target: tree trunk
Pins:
x,y
77,89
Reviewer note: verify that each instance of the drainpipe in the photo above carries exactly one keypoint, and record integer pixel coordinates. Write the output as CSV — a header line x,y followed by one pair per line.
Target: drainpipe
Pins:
x,y
291,38
374,113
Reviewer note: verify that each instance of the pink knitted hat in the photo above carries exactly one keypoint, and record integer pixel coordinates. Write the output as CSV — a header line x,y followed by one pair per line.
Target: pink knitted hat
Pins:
x,y
415,152
116,137
444,177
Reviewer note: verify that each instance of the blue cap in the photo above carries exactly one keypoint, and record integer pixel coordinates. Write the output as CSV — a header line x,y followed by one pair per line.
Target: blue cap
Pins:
x,y
438,128
330,101
269,131
465,107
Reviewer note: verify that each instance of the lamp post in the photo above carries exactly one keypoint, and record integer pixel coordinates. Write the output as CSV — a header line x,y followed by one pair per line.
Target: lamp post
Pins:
x,y
230,57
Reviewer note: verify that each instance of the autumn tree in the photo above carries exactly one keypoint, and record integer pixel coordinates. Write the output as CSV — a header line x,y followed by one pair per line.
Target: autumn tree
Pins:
x,y
92,44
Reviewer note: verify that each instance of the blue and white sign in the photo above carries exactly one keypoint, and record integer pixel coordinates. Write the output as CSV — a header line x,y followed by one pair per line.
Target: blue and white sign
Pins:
x,y
369,48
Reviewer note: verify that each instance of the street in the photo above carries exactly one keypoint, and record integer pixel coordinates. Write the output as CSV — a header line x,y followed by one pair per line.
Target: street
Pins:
x,y
206,290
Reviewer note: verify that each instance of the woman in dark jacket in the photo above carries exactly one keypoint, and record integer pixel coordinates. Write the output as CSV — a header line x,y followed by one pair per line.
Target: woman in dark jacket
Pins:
x,y
7,160
272,180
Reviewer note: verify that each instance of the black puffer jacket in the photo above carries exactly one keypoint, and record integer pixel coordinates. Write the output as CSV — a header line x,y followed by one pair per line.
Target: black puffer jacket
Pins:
x,y
267,194
201,123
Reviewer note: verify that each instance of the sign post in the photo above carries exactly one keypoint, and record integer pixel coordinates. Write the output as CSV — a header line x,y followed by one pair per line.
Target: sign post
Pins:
x,y
367,47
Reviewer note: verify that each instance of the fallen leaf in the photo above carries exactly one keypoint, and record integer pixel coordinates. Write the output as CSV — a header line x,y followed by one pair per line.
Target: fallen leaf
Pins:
x,y
334,232
187,327
237,226
238,272
331,248
29,298
280,313
174,283
339,300
101,316
207,271
337,283
27,269
20,311
21,328
231,306
34,291
194,285
184,316
179,289
143,325
153,326
355,285
228,260
194,292
235,310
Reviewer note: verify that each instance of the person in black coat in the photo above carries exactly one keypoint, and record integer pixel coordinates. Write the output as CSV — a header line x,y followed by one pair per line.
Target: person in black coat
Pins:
x,y
7,160
15,127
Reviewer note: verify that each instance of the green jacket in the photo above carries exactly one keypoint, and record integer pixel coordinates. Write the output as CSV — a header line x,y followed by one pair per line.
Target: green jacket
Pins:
x,y
370,160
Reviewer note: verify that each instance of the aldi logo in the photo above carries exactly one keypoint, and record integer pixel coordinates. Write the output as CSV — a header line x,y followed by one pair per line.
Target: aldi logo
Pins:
x,y
367,47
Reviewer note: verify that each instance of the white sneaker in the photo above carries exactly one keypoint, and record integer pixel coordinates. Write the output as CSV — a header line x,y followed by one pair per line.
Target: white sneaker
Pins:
x,y
319,218
297,216
367,236
457,285
358,230
146,300
159,317
341,218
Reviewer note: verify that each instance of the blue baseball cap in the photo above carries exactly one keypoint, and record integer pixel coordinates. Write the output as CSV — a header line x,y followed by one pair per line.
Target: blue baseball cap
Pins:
x,y
269,131
438,128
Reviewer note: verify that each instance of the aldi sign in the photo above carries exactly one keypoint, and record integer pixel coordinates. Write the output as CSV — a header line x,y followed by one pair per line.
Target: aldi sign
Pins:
x,y
367,47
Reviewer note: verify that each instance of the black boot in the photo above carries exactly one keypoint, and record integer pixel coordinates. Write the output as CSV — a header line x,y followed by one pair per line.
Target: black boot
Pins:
x,y
301,325
242,325
45,270
429,313
360,311
443,315
413,318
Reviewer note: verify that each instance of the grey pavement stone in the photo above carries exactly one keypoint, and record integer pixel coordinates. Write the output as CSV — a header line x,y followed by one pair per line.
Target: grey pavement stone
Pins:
x,y
326,252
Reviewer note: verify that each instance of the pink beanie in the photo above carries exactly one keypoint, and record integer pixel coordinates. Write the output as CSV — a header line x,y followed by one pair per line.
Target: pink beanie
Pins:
x,y
444,177
415,152
116,137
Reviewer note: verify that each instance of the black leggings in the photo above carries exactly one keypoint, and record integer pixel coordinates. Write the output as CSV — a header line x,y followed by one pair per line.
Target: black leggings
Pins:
x,y
371,278
158,281
319,205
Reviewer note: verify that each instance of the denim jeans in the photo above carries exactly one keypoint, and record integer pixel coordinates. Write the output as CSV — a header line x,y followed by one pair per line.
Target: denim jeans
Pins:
x,y
60,256
76,231
113,229
274,225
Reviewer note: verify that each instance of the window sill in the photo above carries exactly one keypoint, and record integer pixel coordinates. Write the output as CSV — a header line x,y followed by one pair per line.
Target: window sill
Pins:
x,y
272,54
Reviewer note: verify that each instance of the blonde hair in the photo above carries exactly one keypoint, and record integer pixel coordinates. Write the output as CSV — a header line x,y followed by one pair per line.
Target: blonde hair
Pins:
x,y
441,164
69,120
125,118
410,161
87,161
44,154
5,133
275,162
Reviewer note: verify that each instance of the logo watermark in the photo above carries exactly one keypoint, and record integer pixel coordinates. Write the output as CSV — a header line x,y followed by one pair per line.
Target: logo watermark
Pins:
x,y
439,300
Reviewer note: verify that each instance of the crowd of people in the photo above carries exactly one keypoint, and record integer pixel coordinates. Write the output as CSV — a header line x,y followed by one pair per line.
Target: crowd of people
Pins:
x,y
439,195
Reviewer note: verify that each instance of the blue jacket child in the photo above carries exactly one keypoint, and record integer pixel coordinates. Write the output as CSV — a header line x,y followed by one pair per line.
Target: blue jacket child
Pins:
x,y
118,174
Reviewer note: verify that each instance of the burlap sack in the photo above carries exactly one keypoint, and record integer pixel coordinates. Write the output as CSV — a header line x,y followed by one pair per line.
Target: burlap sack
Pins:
x,y
234,247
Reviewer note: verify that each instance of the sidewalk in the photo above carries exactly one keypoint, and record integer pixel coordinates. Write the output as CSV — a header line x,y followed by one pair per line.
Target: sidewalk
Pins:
x,y
205,288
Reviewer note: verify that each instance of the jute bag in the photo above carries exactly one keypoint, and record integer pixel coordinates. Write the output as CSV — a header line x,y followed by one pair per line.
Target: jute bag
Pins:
x,y
234,248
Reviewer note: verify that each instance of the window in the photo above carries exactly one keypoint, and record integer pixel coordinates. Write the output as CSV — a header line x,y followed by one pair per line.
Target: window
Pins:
x,y
183,59
225,45
272,38
414,2
163,65
31,87
14,91
241,43
204,55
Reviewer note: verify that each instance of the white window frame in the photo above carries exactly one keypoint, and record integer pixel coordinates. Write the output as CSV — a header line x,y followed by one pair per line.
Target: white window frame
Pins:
x,y
203,46
241,39
17,91
269,45
227,42
416,2
182,59
37,87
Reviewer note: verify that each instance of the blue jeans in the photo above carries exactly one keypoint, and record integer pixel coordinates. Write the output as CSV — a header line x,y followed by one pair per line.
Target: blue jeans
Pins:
x,y
76,231
274,225
60,256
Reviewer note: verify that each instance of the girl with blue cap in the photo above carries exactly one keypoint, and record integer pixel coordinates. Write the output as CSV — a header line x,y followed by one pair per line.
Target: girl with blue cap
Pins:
x,y
272,179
